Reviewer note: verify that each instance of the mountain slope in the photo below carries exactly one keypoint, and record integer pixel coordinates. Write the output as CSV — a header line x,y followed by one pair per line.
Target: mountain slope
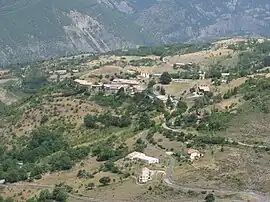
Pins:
x,y
172,20
60,27
37,29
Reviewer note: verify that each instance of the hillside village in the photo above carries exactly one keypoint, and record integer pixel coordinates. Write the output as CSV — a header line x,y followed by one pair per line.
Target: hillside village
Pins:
x,y
140,126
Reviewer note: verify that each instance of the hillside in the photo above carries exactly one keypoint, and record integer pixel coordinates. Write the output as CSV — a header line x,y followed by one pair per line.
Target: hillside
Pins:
x,y
198,116
43,29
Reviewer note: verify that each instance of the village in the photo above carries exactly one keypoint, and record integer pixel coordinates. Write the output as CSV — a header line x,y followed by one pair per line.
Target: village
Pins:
x,y
110,79
137,125
138,82
133,80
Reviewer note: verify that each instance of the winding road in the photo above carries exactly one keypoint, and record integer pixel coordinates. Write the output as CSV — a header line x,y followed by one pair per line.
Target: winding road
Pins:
x,y
259,197
229,140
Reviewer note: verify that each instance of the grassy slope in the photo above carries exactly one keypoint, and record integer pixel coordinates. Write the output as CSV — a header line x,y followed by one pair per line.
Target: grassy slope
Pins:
x,y
235,168
32,27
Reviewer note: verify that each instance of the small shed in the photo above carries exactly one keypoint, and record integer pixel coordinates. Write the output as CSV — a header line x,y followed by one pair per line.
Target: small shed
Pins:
x,y
3,181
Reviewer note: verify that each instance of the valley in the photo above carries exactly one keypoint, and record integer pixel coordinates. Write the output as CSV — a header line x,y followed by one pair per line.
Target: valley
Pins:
x,y
181,122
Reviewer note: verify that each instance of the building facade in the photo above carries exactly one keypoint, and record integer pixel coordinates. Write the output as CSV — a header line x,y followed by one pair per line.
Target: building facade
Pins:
x,y
145,175
143,157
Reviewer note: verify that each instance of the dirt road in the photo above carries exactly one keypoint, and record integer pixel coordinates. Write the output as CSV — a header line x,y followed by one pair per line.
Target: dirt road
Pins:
x,y
259,197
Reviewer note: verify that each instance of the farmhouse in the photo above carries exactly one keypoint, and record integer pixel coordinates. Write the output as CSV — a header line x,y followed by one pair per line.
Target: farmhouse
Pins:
x,y
126,82
52,78
163,98
75,71
225,77
194,154
145,75
182,65
4,72
138,89
202,75
97,88
157,75
61,72
204,88
225,74
179,65
143,157
146,175
114,88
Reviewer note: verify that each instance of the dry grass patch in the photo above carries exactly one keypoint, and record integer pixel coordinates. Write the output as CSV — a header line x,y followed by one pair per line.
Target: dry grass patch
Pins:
x,y
177,88
224,104
7,97
19,194
204,58
159,69
127,190
223,88
229,41
250,127
132,140
111,58
234,168
167,144
72,110
70,177
106,70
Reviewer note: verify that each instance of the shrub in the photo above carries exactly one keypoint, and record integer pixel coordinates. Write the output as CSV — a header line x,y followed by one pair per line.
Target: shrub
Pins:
x,y
105,180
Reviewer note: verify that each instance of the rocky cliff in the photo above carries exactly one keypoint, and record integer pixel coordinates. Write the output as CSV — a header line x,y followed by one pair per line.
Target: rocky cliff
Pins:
x,y
37,29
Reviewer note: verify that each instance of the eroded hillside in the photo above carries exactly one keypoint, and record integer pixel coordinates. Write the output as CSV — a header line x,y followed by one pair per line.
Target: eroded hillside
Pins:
x,y
45,28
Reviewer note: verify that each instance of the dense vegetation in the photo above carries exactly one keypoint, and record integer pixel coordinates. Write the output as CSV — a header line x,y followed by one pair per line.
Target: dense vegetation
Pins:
x,y
33,79
58,194
142,62
257,92
174,49
253,56
106,120
27,161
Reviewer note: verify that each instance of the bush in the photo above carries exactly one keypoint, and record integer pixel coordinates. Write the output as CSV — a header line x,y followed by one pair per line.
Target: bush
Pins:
x,y
209,198
59,195
91,185
110,166
60,161
230,93
44,119
140,145
90,121
165,78
105,181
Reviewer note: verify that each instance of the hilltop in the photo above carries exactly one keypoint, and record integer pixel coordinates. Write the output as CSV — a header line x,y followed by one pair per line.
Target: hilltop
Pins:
x,y
197,112
44,29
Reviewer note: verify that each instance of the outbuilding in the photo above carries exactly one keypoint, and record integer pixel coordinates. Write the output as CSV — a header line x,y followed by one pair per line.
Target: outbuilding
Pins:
x,y
146,175
143,157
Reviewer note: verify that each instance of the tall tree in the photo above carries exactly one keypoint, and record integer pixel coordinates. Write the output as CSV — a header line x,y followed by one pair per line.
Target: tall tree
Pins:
x,y
165,78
